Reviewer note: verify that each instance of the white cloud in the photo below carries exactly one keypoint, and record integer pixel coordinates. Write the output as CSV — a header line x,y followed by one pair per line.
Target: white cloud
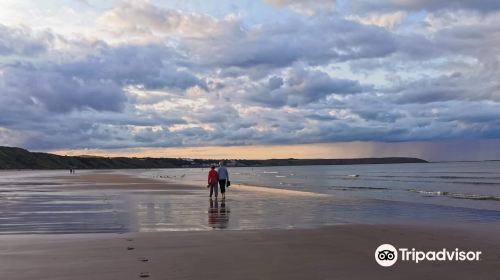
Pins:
x,y
307,7
142,22
386,20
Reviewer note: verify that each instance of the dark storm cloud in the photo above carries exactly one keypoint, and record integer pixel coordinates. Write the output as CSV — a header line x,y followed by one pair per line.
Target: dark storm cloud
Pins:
x,y
152,66
478,40
371,114
86,129
60,92
449,87
95,82
301,87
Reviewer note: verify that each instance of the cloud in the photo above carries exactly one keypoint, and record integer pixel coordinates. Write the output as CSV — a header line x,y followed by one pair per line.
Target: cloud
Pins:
x,y
152,66
95,82
386,20
307,7
85,2
23,42
172,78
299,87
449,87
230,44
152,24
59,93
373,114
10,137
258,49
484,6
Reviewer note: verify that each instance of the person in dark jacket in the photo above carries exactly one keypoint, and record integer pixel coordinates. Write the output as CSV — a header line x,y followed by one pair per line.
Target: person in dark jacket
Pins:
x,y
223,178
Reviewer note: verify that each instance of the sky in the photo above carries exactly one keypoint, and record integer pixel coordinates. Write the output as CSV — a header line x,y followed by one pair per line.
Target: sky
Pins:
x,y
252,78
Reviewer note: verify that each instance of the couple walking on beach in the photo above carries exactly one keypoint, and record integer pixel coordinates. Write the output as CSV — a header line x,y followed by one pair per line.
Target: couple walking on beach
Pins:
x,y
218,178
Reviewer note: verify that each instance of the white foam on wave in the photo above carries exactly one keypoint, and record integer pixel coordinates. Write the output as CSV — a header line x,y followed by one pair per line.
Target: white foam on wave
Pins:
x,y
456,195
432,193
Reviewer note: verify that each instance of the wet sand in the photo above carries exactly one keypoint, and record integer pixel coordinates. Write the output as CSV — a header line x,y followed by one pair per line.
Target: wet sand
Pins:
x,y
335,252
338,252
116,181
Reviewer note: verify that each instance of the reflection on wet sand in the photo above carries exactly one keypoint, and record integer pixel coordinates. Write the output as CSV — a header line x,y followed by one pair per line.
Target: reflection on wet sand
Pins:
x,y
218,217
47,204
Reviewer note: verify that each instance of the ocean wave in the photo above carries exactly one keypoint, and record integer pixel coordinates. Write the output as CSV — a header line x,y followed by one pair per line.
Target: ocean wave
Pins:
x,y
439,177
432,193
456,195
401,179
439,172
475,197
342,188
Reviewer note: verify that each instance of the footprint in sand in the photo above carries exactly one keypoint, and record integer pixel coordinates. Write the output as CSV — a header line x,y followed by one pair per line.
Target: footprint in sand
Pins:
x,y
142,274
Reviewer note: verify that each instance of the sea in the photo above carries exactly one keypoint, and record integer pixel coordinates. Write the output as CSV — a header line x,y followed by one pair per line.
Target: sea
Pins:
x,y
281,197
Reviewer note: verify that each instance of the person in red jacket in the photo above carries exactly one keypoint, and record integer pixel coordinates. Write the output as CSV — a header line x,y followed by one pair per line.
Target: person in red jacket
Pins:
x,y
213,180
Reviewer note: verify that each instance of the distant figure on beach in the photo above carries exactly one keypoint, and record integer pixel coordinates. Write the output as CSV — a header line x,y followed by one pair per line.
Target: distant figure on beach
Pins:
x,y
223,178
213,180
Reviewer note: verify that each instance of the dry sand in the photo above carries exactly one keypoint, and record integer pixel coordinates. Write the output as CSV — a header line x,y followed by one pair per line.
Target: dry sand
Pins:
x,y
337,252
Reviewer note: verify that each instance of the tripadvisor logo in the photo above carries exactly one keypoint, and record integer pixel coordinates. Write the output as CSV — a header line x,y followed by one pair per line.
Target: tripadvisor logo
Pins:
x,y
387,255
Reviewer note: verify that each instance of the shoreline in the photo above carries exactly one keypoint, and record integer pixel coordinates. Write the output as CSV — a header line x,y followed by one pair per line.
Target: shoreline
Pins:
x,y
246,195
116,182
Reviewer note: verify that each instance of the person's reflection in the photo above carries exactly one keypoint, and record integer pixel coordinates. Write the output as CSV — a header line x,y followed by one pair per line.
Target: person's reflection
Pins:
x,y
218,217
223,214
213,213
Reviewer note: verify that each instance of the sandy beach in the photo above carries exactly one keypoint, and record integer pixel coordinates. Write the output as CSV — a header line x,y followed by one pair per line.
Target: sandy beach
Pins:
x,y
338,252
328,252
240,139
